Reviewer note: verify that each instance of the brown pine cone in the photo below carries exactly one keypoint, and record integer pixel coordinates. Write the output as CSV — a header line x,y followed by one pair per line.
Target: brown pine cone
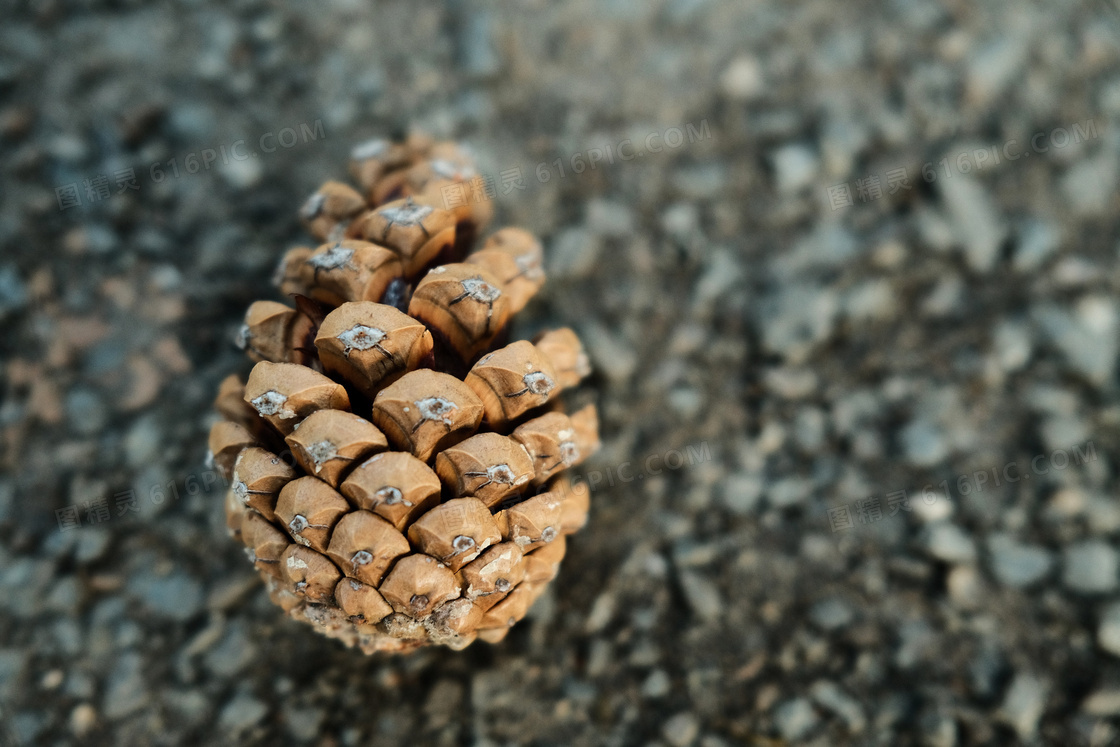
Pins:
x,y
396,464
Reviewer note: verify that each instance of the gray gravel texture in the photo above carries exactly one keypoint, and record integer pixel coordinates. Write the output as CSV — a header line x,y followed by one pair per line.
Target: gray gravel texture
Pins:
x,y
859,483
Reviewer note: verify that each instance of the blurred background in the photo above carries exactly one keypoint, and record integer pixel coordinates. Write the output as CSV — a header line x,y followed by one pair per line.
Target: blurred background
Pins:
x,y
848,276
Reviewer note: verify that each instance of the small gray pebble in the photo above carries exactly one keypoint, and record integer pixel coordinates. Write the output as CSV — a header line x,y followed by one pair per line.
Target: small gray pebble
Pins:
x,y
1091,567
1103,703
831,614
125,690
795,719
304,723
86,411
610,219
924,443
950,543
795,167
830,696
92,542
175,596
703,597
1023,704
681,730
1017,565
1108,632
241,713
13,294
657,684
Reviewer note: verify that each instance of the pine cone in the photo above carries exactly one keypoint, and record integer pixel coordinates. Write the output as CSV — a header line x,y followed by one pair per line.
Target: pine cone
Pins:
x,y
395,463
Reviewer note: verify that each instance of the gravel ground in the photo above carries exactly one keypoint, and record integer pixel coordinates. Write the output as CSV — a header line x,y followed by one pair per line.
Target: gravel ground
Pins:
x,y
848,275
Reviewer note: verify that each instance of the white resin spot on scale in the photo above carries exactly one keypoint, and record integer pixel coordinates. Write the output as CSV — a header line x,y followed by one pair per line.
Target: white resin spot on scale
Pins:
x,y
538,382
479,290
529,265
500,473
272,403
361,337
438,409
320,453
463,543
243,336
569,452
390,496
332,259
496,564
408,214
